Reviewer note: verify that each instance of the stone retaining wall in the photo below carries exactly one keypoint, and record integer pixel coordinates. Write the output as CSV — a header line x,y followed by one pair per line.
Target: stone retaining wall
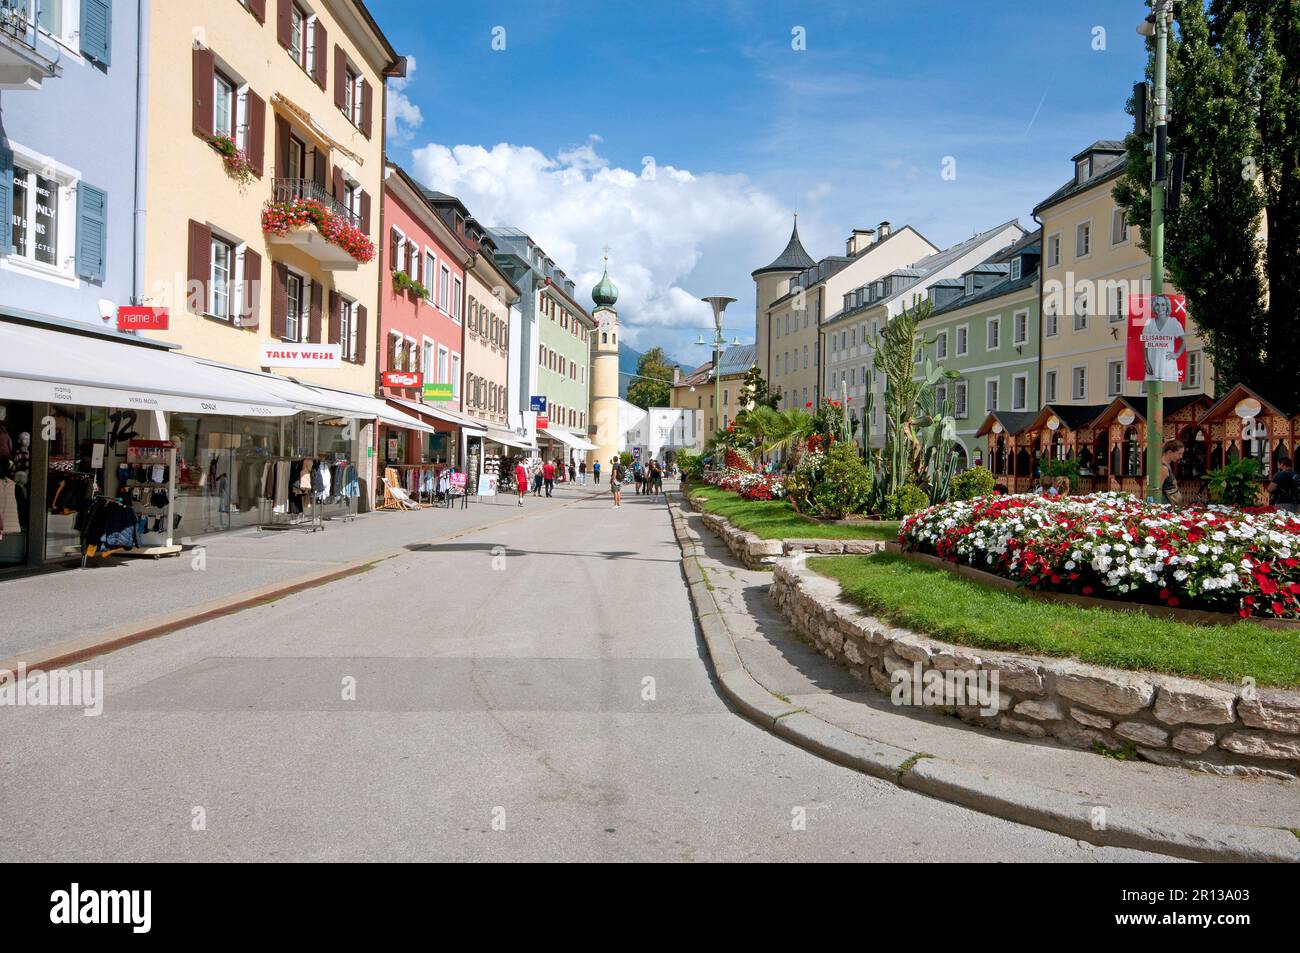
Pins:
x,y
1224,729
757,553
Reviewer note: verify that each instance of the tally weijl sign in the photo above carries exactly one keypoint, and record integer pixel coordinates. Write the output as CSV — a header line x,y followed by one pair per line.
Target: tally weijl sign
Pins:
x,y
281,354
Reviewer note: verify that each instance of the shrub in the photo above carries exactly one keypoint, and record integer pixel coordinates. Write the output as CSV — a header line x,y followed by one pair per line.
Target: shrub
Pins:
x,y
1236,483
907,499
1052,467
971,483
691,464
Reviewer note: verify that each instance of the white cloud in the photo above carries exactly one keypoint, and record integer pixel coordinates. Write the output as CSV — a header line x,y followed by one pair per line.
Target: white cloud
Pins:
x,y
673,235
404,117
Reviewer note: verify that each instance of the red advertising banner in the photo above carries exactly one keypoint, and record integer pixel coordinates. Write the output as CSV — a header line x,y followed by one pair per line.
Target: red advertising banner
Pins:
x,y
142,319
403,379
543,421
1156,345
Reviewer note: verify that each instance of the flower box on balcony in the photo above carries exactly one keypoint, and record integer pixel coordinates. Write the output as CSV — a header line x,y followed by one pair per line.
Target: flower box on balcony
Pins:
x,y
282,217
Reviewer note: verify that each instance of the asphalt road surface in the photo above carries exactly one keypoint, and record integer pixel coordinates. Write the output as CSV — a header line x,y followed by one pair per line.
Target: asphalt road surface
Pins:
x,y
533,691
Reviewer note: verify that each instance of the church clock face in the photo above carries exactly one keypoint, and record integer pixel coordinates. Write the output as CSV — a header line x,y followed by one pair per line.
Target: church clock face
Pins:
x,y
606,321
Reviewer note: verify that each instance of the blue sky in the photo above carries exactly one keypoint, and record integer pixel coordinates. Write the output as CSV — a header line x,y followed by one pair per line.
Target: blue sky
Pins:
x,y
553,133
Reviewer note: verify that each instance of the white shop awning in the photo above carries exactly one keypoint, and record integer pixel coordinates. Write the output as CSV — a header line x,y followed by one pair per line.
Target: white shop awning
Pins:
x,y
573,440
364,407
509,438
445,414
66,368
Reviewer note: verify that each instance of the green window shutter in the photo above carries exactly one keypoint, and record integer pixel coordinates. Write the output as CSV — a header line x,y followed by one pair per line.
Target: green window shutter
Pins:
x,y
97,30
6,201
92,231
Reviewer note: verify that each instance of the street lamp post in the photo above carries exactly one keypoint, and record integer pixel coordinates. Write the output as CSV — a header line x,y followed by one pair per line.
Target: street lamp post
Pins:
x,y
1157,25
719,304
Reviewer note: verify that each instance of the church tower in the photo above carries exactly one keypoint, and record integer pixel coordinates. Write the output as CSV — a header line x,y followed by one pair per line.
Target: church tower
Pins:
x,y
604,373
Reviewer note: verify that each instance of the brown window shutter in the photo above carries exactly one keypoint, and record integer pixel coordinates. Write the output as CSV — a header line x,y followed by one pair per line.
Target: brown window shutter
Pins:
x,y
284,23
361,334
319,67
200,265
203,79
365,212
338,184
340,77
256,144
281,146
366,109
394,240
336,326
314,323
279,301
320,168
252,289
258,9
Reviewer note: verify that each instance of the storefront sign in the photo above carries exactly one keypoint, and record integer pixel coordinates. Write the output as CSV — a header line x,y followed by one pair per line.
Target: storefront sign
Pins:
x,y
1157,349
142,319
279,354
543,421
437,392
537,404
403,379
487,485
457,481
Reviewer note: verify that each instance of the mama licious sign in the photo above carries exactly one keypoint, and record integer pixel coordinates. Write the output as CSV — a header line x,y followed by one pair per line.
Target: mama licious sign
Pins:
x,y
282,354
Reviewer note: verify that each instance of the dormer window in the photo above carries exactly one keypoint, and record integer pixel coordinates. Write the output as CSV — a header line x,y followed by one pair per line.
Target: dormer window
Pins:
x,y
1015,269
878,289
970,284
1082,169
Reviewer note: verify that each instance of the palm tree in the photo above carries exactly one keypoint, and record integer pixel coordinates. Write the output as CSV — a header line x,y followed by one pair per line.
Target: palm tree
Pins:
x,y
786,430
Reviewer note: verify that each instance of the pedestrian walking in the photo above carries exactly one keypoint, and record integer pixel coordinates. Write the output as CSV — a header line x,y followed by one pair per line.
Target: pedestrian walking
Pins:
x,y
616,477
1172,452
548,475
656,478
573,472
537,478
582,472
521,480
1284,488
595,473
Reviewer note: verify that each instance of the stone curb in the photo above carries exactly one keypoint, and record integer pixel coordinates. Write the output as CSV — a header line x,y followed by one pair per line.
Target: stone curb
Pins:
x,y
1049,810
79,650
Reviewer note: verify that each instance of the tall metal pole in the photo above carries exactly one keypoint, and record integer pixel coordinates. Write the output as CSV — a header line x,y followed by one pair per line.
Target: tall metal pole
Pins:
x,y
1155,388
719,304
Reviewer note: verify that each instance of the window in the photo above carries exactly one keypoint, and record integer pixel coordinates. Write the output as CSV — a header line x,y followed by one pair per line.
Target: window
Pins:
x,y
970,284
348,328
352,96
222,279
223,106
455,376
1118,227
42,210
294,314
1193,380
443,356
455,299
1019,391
1119,304
1015,269
1114,378
994,340
427,366
444,287
990,395
1020,327
1049,386
1079,383
1081,311
963,334
1053,250
959,400
1081,171
298,36
941,345
1051,323
1083,240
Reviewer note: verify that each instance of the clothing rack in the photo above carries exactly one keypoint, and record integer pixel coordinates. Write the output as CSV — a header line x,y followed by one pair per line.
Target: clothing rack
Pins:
x,y
308,518
136,455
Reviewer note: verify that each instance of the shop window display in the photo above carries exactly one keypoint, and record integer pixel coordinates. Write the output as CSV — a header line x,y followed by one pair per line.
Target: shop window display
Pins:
x,y
15,480
80,438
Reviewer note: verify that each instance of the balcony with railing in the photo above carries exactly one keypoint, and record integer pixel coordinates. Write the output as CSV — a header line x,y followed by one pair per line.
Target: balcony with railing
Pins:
x,y
23,62
303,214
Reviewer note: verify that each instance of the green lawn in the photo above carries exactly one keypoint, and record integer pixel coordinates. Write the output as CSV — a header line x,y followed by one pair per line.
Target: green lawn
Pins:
x,y
948,607
774,519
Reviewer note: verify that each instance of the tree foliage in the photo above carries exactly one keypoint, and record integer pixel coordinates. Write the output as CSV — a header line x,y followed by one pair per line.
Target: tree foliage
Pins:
x,y
1234,88
653,386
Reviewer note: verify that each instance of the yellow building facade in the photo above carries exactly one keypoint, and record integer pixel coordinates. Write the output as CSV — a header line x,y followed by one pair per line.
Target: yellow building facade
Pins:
x,y
1091,266
297,89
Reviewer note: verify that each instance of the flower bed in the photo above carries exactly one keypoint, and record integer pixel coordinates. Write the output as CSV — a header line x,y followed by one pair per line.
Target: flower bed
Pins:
x,y
740,478
280,218
1113,546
